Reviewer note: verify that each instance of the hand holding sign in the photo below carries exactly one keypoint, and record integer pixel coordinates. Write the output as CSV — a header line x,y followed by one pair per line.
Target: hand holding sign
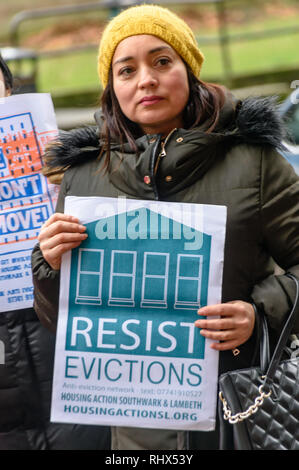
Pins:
x,y
233,327
59,234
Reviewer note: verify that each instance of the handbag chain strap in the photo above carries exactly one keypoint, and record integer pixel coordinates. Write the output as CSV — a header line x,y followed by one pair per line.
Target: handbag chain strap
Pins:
x,y
238,417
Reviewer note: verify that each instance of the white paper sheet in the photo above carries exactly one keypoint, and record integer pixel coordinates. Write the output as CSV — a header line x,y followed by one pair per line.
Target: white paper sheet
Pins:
x,y
127,351
27,123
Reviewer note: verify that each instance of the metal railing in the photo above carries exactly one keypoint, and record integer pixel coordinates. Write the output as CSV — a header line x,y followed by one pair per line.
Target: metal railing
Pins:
x,y
223,38
102,5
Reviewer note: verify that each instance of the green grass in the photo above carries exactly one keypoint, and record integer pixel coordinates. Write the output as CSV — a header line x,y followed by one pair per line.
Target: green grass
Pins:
x,y
79,70
68,72
8,9
254,56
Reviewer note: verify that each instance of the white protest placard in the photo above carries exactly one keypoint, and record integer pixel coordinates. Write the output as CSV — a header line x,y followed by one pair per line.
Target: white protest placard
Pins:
x,y
127,350
27,123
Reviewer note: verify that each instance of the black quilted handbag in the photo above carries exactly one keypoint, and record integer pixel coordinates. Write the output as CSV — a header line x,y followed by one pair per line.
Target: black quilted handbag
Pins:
x,y
259,406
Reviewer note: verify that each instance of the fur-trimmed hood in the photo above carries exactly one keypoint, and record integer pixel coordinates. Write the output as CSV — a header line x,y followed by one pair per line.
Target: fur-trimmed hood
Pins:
x,y
253,121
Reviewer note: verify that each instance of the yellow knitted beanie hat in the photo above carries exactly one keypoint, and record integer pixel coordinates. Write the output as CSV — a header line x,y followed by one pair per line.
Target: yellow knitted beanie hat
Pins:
x,y
148,19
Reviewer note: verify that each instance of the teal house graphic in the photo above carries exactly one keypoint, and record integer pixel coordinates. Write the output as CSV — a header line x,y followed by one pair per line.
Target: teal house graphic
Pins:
x,y
142,279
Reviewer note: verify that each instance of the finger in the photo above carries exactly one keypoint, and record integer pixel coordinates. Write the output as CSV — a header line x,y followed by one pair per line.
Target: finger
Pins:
x,y
226,335
225,346
61,239
59,250
225,309
215,310
215,324
63,226
60,216
59,227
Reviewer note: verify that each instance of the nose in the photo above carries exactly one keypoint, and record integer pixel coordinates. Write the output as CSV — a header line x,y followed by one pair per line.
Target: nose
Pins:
x,y
147,78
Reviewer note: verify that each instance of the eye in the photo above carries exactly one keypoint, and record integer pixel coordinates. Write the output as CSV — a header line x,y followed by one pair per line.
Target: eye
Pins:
x,y
163,61
125,71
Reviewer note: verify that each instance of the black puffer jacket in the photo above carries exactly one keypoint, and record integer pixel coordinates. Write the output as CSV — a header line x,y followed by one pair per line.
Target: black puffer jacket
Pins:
x,y
25,391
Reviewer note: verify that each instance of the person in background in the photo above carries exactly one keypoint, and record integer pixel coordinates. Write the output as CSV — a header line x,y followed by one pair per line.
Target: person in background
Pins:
x,y
6,79
26,370
164,134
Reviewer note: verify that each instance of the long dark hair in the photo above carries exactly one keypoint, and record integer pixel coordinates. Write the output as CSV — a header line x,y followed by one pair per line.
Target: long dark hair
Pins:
x,y
8,79
203,107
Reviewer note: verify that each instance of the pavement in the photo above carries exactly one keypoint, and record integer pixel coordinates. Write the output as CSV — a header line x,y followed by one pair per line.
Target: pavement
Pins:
x,y
70,118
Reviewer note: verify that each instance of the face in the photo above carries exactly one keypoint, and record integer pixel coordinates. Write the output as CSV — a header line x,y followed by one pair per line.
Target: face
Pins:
x,y
150,83
3,91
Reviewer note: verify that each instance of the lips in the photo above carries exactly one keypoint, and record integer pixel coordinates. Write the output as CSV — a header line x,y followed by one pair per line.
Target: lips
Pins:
x,y
150,100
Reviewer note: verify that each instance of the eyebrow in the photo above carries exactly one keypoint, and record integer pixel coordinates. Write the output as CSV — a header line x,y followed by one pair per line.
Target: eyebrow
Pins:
x,y
152,51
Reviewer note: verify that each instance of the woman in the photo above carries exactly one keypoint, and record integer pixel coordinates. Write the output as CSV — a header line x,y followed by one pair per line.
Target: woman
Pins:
x,y
165,135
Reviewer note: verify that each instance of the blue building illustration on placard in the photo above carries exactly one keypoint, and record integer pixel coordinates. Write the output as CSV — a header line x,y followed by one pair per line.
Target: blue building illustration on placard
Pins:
x,y
138,275
2,160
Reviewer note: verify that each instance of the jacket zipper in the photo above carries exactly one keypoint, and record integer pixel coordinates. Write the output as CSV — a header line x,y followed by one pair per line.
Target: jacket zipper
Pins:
x,y
162,153
155,160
